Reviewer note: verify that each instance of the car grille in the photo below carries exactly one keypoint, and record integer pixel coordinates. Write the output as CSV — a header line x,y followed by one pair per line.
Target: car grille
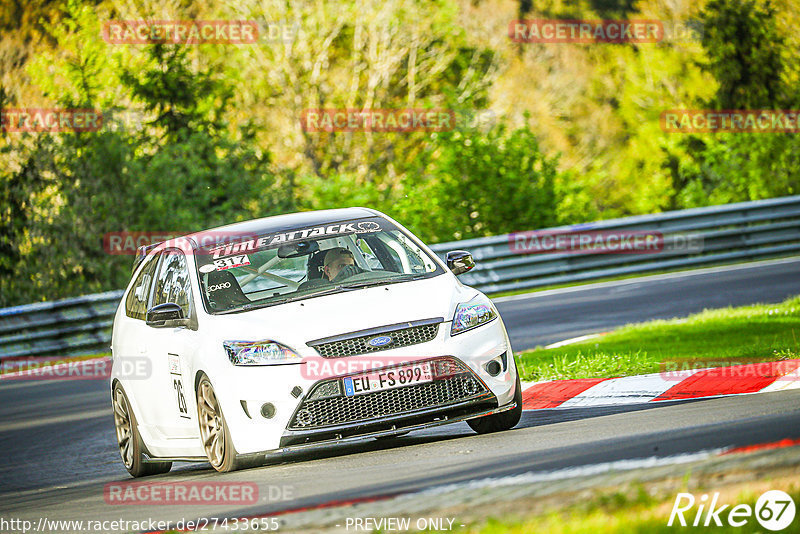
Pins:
x,y
358,345
453,383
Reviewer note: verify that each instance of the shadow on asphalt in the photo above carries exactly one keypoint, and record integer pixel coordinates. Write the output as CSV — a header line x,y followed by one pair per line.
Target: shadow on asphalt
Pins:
x,y
203,470
549,416
530,419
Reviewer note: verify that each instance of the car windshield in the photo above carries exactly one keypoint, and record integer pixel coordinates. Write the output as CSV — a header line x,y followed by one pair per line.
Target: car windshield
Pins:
x,y
271,268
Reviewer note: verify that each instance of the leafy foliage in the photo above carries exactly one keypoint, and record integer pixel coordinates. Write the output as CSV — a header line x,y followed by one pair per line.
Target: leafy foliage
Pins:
x,y
485,184
212,132
748,56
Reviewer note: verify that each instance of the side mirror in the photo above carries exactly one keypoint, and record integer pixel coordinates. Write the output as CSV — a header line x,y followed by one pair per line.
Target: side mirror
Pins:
x,y
459,261
168,314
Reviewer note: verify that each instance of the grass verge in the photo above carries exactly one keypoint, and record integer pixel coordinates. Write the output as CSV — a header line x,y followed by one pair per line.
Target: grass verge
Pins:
x,y
712,338
635,510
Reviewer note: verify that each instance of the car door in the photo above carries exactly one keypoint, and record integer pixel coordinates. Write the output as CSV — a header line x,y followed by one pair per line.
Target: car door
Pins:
x,y
169,350
130,350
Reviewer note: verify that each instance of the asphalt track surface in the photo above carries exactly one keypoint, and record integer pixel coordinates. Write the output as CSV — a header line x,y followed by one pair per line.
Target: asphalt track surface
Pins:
x,y
59,450
549,316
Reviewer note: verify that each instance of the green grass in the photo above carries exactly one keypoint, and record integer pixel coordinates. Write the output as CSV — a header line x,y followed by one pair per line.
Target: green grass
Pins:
x,y
620,512
712,338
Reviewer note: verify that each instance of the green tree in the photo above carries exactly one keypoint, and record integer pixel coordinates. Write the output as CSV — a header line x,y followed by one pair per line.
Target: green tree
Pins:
x,y
180,97
183,172
475,183
746,54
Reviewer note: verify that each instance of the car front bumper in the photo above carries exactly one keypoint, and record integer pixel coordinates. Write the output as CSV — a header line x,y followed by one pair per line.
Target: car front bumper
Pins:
x,y
251,387
391,426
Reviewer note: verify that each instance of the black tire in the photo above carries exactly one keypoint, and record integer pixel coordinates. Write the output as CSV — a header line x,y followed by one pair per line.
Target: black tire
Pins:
x,y
131,447
214,432
500,421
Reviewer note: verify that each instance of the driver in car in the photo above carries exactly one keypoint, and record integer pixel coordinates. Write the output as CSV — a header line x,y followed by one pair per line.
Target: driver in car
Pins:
x,y
339,264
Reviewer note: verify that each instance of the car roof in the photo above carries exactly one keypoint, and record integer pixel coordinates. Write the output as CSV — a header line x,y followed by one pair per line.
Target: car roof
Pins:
x,y
286,222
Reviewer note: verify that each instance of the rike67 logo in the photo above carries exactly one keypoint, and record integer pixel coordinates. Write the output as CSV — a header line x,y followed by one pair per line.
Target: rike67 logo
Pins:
x,y
774,510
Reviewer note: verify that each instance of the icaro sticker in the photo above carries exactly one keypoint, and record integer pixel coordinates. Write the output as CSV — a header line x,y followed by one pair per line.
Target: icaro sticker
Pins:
x,y
296,235
217,287
230,263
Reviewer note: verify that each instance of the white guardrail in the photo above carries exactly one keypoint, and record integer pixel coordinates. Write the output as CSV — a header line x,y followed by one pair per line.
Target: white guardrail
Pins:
x,y
510,262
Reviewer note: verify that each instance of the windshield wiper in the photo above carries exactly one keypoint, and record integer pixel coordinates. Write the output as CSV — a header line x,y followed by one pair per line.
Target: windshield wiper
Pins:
x,y
327,291
369,283
256,305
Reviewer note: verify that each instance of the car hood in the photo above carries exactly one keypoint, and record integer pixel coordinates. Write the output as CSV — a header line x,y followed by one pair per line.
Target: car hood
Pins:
x,y
296,323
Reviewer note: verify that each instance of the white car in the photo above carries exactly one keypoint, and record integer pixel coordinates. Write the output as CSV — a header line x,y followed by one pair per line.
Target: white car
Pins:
x,y
301,330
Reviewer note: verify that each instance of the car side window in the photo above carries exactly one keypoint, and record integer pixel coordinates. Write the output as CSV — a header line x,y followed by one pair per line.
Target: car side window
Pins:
x,y
414,255
173,282
136,301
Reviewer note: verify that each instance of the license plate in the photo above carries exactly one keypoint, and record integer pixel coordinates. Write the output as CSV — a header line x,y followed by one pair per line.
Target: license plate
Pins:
x,y
388,379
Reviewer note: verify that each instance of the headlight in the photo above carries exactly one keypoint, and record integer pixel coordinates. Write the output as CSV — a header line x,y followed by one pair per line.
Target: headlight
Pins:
x,y
470,315
259,353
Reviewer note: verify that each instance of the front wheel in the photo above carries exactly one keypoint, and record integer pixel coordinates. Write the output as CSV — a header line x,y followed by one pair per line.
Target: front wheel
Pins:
x,y
500,421
131,448
214,431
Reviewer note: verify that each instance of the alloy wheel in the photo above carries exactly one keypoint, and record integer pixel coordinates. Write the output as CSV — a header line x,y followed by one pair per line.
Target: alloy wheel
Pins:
x,y
122,422
212,427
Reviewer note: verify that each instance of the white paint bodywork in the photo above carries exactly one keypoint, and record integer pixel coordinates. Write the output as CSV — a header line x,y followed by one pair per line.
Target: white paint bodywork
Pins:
x,y
168,433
